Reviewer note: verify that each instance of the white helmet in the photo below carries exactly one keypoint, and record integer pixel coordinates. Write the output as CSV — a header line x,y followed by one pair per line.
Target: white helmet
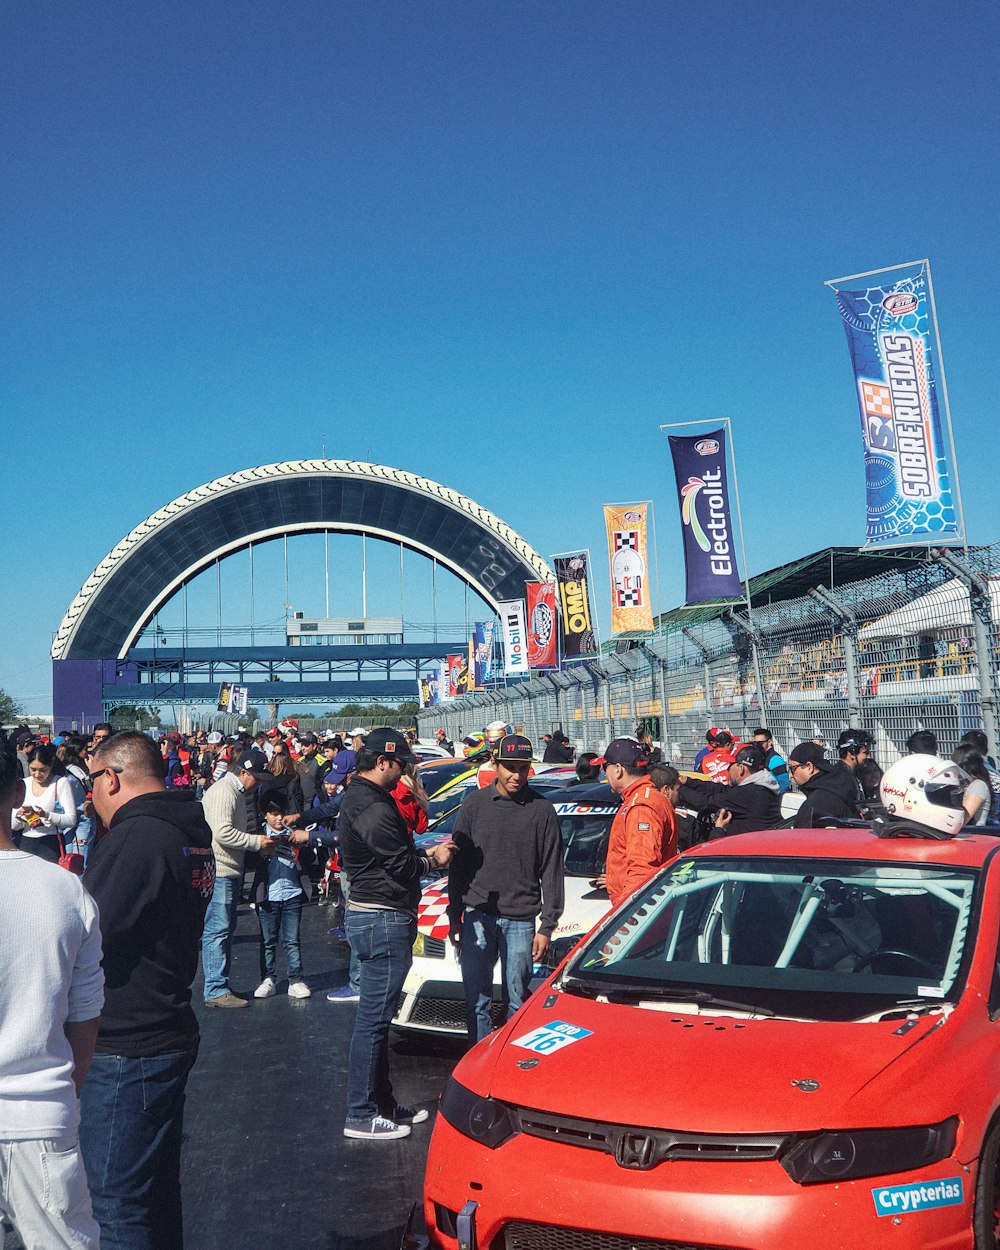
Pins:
x,y
927,791
496,730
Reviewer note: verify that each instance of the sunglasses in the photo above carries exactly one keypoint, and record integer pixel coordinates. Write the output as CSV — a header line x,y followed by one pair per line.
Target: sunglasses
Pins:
x,y
92,777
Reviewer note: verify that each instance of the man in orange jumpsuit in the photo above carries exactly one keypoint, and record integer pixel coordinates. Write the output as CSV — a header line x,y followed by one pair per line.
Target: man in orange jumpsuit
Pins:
x,y
644,832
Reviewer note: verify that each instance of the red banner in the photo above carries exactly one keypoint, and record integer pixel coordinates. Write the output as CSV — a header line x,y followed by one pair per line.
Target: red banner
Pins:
x,y
541,624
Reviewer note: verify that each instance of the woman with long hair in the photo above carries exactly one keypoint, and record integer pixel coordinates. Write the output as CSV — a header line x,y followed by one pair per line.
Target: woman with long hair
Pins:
x,y
49,810
977,795
411,799
286,788
79,780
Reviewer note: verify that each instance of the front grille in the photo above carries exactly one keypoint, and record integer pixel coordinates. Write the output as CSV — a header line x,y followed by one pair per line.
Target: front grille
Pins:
x,y
520,1235
447,1013
644,1148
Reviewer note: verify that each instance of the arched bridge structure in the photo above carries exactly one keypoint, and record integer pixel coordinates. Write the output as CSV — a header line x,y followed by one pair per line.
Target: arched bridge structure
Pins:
x,y
95,656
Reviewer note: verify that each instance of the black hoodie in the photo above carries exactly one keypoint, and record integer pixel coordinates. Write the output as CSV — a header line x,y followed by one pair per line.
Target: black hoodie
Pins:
x,y
827,794
151,877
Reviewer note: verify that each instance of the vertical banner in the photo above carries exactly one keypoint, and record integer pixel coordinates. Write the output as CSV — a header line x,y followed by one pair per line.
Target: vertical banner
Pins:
x,y
515,647
910,474
627,555
443,695
574,605
541,624
225,694
471,666
456,664
483,640
429,683
710,565
239,700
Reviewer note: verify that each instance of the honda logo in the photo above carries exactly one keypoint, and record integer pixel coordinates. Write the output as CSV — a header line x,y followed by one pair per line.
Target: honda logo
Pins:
x,y
635,1150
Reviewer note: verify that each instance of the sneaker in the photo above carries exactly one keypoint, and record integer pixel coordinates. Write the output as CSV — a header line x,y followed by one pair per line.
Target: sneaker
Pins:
x,y
379,1129
337,932
229,999
344,995
299,989
265,989
407,1115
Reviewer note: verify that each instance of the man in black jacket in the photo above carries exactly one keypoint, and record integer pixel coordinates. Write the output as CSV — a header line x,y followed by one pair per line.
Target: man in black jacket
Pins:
x,y
151,877
752,800
381,923
828,792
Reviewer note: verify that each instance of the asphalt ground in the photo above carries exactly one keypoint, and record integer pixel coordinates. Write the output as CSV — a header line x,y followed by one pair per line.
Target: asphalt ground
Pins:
x,y
265,1161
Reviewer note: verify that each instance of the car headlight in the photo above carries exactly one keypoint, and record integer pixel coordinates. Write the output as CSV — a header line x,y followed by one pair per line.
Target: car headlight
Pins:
x,y
485,1120
418,943
868,1152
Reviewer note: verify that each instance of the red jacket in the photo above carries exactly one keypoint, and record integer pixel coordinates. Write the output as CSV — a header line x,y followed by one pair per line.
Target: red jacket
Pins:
x,y
643,836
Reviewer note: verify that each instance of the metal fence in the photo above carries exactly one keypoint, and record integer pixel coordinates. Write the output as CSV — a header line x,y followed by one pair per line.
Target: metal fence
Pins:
x,y
910,649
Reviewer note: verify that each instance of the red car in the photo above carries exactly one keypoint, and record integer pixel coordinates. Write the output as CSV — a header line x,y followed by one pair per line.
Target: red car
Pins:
x,y
786,1039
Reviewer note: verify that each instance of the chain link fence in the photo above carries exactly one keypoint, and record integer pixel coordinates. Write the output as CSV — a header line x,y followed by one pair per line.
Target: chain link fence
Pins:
x,y
915,648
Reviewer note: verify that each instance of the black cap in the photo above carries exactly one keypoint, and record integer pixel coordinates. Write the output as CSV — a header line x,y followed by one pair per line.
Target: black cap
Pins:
x,y
308,740
391,744
752,756
255,763
627,751
514,749
810,753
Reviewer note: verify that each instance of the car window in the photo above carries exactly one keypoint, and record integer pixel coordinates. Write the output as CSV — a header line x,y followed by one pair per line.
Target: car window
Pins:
x,y
818,938
585,844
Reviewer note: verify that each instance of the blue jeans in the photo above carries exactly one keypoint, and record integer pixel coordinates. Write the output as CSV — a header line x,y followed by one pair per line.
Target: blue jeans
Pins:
x,y
280,920
354,967
383,942
485,939
217,935
131,1123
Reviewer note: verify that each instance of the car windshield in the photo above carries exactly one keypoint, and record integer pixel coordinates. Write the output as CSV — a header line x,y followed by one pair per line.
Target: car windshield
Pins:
x,y
823,939
434,776
585,839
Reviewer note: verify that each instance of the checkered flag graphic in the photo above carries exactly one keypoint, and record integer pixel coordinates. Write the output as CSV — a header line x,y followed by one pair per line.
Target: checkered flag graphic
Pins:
x,y
626,539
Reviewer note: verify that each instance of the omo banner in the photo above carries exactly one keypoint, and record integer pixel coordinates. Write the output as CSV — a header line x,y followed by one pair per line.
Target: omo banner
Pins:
x,y
627,554
909,462
482,652
706,520
429,683
541,624
574,604
515,645
225,694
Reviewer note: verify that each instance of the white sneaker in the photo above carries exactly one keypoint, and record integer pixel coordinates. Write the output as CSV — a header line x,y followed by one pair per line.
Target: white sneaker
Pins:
x,y
299,989
265,989
379,1129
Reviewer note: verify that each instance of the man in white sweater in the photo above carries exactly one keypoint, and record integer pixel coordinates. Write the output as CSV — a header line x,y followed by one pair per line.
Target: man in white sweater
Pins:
x,y
225,806
51,994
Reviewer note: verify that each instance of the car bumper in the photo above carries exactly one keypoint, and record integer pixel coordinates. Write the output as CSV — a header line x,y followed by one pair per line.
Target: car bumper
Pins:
x,y
535,1193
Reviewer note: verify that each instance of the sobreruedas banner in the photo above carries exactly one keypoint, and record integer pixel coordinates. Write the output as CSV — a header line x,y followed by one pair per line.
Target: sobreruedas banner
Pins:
x,y
542,624
909,471
482,652
574,605
515,642
706,520
627,555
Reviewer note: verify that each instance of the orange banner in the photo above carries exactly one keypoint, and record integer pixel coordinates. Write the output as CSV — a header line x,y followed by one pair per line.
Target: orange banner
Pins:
x,y
629,562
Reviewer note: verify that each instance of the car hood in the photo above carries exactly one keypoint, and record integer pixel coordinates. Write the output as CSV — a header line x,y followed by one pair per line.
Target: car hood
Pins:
x,y
705,1073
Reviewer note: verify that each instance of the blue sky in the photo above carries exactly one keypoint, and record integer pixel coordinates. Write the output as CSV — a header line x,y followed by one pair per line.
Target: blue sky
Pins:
x,y
497,244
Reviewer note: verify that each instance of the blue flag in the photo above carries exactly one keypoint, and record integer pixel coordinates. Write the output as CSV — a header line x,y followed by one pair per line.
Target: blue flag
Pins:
x,y
710,565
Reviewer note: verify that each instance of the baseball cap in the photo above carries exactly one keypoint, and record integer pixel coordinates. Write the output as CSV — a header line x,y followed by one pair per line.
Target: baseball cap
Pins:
x,y
255,763
214,738
627,751
308,740
514,749
752,755
810,753
391,744
722,736
356,733
23,736
274,733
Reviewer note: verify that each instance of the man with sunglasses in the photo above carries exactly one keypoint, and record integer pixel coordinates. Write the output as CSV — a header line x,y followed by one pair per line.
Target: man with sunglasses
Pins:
x,y
151,877
813,774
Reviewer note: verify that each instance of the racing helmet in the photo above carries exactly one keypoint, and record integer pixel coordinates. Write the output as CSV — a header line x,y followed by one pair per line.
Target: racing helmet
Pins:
x,y
474,748
927,791
494,731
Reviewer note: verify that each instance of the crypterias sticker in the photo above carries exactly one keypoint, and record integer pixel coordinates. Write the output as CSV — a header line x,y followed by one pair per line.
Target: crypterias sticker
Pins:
x,y
551,1037
904,1199
909,469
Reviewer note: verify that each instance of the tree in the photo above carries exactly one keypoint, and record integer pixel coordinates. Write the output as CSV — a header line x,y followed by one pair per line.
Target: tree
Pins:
x,y
10,709
128,715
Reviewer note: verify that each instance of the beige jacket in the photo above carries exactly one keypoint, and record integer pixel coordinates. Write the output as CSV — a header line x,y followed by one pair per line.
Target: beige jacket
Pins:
x,y
224,811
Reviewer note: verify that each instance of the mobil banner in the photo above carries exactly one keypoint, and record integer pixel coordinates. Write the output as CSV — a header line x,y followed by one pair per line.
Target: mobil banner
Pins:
x,y
483,640
443,683
470,666
706,520
573,581
910,474
429,687
629,560
515,642
542,624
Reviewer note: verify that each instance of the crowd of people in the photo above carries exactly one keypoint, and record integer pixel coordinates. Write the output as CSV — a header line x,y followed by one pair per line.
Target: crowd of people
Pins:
x,y
160,837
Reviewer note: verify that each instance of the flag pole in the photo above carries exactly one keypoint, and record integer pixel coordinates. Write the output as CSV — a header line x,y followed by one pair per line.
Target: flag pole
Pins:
x,y
947,407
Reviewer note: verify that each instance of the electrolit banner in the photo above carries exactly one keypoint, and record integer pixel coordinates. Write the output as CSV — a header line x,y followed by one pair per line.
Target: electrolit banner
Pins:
x,y
482,652
627,555
541,624
574,606
515,642
706,520
909,471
